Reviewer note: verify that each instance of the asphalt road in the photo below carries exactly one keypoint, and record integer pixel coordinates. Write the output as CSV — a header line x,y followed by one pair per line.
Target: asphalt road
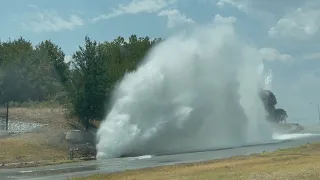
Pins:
x,y
65,171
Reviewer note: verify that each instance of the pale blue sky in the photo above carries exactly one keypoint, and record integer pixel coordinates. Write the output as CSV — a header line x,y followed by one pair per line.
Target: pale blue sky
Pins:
x,y
285,31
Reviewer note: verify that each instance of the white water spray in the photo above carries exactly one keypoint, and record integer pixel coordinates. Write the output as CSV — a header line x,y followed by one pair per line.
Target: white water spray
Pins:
x,y
268,80
292,136
195,91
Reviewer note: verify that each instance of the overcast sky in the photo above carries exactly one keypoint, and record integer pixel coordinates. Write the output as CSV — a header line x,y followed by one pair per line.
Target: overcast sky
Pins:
x,y
285,31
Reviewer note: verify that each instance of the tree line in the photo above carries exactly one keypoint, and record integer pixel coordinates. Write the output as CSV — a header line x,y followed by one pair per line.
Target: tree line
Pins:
x,y
84,85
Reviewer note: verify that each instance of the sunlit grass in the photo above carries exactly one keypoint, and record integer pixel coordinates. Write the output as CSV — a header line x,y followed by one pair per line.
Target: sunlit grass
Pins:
x,y
288,164
14,150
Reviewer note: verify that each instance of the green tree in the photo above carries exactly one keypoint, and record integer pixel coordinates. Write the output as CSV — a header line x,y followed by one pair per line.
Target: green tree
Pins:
x,y
96,69
280,115
39,73
269,101
60,69
16,84
30,73
89,76
57,71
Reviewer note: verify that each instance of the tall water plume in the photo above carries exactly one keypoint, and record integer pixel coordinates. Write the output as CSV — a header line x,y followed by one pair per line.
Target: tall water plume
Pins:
x,y
268,80
194,91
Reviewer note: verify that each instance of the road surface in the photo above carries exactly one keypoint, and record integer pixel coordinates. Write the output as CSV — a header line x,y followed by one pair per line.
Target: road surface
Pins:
x,y
65,171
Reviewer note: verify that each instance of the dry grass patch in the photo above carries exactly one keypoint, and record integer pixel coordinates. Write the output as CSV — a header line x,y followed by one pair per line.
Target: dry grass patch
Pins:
x,y
18,150
46,144
289,164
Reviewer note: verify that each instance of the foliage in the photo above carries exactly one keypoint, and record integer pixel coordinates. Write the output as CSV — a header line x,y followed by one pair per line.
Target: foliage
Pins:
x,y
84,85
269,101
280,115
30,73
90,79
97,67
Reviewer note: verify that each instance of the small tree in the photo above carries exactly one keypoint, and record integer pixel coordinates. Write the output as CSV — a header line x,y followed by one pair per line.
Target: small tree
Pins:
x,y
89,75
269,101
280,115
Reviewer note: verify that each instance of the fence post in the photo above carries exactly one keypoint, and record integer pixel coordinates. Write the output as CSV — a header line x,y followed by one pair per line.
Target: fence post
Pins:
x,y
7,116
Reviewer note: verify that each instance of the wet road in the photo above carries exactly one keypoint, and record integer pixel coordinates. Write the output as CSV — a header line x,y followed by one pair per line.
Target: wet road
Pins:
x,y
66,171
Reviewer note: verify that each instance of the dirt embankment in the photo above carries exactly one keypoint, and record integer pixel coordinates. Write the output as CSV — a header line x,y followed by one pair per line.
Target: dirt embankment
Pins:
x,y
45,144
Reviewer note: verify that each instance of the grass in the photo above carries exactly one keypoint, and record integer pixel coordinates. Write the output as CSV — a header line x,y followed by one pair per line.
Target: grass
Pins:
x,y
47,146
289,164
34,104
19,150
31,150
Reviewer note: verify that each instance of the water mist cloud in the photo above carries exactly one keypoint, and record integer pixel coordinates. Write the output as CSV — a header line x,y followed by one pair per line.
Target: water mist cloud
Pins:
x,y
194,91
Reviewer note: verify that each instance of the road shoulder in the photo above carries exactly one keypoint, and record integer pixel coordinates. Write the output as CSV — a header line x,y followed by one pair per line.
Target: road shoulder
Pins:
x,y
294,163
